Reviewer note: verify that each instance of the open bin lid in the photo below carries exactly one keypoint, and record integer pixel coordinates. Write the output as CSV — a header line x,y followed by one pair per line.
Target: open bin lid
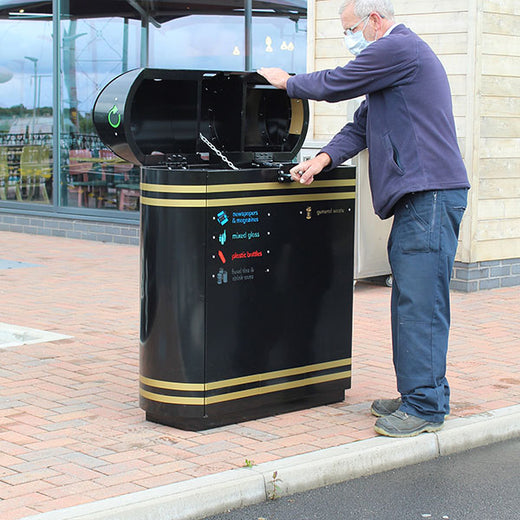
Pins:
x,y
146,114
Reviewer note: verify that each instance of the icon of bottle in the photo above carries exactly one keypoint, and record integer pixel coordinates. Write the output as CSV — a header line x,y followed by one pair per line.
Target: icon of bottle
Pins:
x,y
222,276
222,237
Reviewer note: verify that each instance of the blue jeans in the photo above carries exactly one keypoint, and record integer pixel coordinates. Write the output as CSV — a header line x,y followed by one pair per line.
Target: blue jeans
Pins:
x,y
421,251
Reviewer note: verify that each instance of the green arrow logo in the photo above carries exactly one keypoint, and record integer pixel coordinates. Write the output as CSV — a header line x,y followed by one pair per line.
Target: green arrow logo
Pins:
x,y
114,117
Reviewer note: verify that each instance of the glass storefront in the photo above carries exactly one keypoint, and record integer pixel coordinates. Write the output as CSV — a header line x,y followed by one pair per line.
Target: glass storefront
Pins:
x,y
55,160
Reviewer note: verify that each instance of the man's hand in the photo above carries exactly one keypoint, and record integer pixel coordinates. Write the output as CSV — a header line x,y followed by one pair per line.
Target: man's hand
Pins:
x,y
306,170
277,77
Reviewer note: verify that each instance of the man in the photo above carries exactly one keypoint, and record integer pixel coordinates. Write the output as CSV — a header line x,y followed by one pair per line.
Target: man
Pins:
x,y
417,175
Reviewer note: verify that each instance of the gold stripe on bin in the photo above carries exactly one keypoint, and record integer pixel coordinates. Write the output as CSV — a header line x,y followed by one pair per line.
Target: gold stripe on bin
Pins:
x,y
249,186
263,376
278,373
258,186
172,385
174,203
177,188
231,396
255,378
172,399
245,201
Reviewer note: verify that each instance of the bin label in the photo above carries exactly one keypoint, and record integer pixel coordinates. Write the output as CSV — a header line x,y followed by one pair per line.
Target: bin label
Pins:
x,y
241,243
245,217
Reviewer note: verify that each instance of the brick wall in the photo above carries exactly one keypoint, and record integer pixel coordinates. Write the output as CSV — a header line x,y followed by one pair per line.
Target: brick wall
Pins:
x,y
491,274
122,233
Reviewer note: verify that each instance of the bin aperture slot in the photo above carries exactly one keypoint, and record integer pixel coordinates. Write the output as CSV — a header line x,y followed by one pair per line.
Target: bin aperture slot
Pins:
x,y
268,116
221,111
164,116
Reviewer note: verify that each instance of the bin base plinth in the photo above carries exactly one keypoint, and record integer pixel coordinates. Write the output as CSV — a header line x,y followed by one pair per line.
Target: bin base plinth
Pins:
x,y
218,417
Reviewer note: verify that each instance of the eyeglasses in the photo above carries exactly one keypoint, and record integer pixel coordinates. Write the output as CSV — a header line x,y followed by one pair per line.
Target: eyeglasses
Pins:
x,y
350,30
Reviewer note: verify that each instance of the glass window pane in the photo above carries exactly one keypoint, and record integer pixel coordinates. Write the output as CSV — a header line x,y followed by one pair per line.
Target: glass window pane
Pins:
x,y
198,42
93,52
280,42
26,111
207,42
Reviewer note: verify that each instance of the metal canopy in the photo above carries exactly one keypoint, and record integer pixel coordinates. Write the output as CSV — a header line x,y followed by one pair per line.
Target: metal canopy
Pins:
x,y
159,10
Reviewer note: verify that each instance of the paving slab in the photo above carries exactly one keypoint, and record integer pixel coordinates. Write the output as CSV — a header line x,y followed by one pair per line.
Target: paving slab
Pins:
x,y
72,433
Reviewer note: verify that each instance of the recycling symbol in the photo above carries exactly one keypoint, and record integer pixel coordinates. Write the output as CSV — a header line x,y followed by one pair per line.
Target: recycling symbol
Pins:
x,y
114,117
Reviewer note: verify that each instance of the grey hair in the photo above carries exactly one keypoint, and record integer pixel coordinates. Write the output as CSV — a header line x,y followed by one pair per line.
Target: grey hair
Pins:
x,y
363,8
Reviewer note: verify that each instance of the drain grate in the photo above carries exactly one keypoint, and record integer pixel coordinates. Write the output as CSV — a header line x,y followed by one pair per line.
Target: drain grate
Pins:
x,y
14,336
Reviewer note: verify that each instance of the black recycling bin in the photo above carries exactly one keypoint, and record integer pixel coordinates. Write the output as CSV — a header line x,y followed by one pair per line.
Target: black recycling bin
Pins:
x,y
246,277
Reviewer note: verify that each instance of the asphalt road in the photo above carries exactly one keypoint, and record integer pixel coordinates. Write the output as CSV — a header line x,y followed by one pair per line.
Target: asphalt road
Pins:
x,y
480,484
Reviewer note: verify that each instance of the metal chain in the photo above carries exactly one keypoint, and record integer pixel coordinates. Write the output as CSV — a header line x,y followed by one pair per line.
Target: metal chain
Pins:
x,y
217,151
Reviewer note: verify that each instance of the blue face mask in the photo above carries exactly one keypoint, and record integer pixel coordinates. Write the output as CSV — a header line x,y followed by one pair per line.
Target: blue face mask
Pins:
x,y
356,42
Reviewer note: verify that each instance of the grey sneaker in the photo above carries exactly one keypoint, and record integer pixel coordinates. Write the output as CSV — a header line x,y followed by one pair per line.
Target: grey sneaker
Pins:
x,y
384,407
400,424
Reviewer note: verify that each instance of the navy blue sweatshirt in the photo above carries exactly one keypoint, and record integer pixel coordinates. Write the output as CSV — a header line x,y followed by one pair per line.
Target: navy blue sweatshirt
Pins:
x,y
406,120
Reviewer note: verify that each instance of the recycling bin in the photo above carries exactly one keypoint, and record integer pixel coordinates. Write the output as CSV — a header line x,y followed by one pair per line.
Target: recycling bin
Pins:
x,y
246,277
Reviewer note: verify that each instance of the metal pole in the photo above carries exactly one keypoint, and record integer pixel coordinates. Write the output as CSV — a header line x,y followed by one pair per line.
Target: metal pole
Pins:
x,y
35,64
39,93
145,32
124,61
58,197
248,13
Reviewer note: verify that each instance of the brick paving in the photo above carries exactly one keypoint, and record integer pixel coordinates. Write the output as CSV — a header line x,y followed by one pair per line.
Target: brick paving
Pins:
x,y
71,430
